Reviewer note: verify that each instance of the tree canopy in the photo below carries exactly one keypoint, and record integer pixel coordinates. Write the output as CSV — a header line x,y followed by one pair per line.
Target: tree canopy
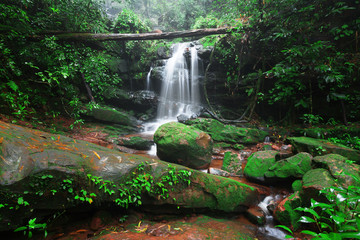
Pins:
x,y
290,59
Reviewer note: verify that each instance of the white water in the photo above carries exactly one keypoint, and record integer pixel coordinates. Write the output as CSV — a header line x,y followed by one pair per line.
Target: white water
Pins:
x,y
269,229
180,92
148,79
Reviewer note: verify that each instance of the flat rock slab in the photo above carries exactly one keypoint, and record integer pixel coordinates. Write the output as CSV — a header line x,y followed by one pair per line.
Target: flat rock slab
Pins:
x,y
318,147
39,162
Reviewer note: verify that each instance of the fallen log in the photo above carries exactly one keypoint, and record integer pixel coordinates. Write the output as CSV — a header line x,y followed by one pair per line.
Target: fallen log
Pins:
x,y
137,36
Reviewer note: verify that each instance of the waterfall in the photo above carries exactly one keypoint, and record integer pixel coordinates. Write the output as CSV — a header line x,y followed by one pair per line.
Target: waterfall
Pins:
x,y
195,93
148,79
180,91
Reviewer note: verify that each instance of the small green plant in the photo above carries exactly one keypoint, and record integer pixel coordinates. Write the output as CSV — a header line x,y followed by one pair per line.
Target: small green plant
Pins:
x,y
31,226
320,150
311,119
347,140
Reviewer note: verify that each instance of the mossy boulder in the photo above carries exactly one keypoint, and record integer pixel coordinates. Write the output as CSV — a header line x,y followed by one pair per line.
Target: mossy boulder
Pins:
x,y
318,178
285,212
182,144
135,143
112,115
227,133
259,163
340,168
321,147
224,194
232,163
295,166
314,181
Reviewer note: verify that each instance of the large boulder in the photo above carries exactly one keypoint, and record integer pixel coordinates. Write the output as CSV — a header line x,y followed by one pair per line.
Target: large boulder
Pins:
x,y
52,172
259,163
295,166
314,181
135,142
227,133
182,144
112,115
318,147
340,168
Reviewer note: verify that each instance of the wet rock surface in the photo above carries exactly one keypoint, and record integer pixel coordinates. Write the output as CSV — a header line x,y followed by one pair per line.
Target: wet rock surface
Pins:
x,y
64,171
185,145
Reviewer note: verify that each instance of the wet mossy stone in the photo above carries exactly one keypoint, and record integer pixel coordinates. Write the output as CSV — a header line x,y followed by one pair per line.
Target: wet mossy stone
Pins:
x,y
318,178
259,163
184,145
340,168
314,181
135,143
232,163
296,185
227,133
224,194
285,212
318,147
112,115
295,166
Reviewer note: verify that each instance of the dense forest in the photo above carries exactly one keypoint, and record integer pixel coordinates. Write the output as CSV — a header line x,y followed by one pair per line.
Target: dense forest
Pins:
x,y
289,60
279,63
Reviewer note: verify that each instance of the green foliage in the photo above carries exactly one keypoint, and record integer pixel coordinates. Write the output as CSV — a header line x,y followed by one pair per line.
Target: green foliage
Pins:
x,y
347,140
138,183
31,226
49,75
129,22
208,21
311,119
337,217
306,51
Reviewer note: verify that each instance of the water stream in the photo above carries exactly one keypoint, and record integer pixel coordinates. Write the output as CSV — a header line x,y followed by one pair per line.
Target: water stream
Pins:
x,y
180,92
268,229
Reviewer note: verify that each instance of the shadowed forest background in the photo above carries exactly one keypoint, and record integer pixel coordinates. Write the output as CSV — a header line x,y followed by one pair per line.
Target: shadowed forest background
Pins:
x,y
275,132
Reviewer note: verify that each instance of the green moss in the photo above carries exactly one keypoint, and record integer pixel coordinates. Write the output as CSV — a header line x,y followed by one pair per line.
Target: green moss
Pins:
x,y
258,163
319,178
222,193
183,144
295,166
320,147
296,185
232,163
228,133
339,167
289,216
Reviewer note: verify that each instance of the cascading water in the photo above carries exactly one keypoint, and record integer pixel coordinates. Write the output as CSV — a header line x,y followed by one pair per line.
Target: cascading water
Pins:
x,y
148,79
180,93
269,230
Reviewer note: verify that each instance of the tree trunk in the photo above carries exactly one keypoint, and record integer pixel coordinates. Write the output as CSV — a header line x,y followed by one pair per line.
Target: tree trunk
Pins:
x,y
138,36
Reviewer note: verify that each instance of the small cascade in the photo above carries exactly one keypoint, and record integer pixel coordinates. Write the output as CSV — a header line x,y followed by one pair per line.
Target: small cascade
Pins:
x,y
180,91
148,79
195,92
268,229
